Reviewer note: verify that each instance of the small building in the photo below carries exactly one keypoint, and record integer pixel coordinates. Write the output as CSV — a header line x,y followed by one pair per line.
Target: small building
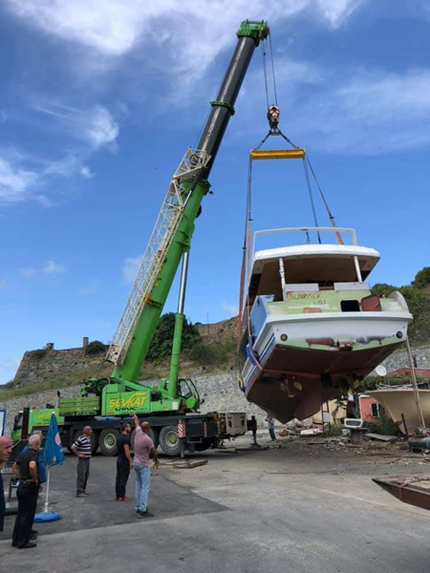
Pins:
x,y
370,409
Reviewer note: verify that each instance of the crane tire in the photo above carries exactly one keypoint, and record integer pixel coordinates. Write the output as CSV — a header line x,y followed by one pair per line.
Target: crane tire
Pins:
x,y
169,441
108,442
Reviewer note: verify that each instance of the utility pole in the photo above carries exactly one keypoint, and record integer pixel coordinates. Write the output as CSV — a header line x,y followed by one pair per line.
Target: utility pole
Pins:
x,y
415,386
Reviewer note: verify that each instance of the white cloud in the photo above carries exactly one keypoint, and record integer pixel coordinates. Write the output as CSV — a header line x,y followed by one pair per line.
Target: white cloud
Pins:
x,y
130,268
364,112
95,124
22,177
15,182
88,130
65,167
101,129
87,173
336,12
51,267
199,30
232,309
29,272
370,113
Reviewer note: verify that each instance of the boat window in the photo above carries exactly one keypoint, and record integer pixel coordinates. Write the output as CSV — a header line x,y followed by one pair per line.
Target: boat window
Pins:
x,y
350,306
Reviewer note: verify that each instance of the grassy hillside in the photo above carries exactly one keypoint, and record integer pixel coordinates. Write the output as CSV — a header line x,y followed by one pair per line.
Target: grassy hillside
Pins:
x,y
200,353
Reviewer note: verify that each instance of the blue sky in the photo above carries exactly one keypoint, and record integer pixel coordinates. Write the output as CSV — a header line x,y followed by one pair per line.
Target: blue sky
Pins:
x,y
100,99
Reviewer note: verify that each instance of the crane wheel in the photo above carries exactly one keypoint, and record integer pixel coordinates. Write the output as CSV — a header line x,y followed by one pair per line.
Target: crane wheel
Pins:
x,y
108,442
169,441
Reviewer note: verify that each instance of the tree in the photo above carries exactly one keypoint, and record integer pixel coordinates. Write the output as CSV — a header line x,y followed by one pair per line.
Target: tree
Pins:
x,y
383,289
161,346
422,278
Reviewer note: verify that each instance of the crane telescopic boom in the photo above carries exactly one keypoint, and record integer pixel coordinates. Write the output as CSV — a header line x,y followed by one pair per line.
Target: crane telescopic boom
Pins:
x,y
174,228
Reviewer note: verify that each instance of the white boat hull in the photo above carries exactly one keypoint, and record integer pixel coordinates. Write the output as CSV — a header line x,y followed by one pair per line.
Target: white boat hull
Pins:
x,y
322,356
398,401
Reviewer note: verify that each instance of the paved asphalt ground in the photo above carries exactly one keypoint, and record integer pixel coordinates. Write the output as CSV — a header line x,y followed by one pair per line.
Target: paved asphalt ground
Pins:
x,y
297,509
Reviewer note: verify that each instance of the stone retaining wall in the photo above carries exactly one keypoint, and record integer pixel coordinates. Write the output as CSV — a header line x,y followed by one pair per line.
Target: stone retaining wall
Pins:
x,y
400,359
41,365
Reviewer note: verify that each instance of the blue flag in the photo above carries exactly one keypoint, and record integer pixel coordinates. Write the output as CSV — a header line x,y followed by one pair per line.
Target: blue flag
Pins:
x,y
52,452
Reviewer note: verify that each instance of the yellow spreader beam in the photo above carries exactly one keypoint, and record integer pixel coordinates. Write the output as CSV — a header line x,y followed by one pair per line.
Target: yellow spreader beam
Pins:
x,y
297,153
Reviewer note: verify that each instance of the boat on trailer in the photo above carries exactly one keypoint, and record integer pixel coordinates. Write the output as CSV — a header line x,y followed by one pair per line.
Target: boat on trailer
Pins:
x,y
311,326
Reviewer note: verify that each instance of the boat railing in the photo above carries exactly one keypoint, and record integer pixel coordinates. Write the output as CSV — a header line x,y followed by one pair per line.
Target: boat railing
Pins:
x,y
335,230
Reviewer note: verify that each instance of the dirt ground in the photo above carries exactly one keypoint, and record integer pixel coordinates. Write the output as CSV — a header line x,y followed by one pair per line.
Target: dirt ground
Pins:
x,y
303,505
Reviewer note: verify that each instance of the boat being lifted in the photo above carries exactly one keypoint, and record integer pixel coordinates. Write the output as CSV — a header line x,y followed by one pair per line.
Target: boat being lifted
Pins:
x,y
312,327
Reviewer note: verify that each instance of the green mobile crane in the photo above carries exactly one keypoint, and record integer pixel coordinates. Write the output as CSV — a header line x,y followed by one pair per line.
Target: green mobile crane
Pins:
x,y
172,405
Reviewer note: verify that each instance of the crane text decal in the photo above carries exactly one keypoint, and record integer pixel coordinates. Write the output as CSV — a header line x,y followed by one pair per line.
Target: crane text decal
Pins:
x,y
127,403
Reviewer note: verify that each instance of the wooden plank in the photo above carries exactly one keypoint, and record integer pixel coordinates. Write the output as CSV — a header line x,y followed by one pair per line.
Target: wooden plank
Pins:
x,y
188,464
381,437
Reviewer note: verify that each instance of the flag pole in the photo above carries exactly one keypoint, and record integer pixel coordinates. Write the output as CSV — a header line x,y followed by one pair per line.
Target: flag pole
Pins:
x,y
47,490
52,455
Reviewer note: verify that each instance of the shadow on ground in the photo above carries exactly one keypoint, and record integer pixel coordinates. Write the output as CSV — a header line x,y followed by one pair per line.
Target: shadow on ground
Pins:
x,y
100,509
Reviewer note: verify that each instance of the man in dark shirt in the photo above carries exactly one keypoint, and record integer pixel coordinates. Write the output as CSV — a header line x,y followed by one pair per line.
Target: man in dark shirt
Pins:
x,y
41,461
123,463
5,450
29,484
82,449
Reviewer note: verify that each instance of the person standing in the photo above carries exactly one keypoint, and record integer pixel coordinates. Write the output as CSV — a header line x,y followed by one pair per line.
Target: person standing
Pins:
x,y
29,485
143,448
124,463
5,451
271,426
82,449
41,461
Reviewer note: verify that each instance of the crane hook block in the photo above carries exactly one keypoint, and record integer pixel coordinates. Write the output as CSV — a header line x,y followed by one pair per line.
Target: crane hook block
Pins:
x,y
273,116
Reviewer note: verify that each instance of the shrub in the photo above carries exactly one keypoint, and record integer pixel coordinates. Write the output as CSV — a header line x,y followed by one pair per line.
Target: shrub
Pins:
x,y
387,427
95,347
38,354
215,354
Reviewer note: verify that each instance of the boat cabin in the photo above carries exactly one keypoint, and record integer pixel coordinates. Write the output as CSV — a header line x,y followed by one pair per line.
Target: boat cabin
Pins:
x,y
310,268
312,278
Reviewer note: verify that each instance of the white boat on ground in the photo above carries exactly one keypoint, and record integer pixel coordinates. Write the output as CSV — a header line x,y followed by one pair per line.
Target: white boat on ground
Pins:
x,y
401,400
312,326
